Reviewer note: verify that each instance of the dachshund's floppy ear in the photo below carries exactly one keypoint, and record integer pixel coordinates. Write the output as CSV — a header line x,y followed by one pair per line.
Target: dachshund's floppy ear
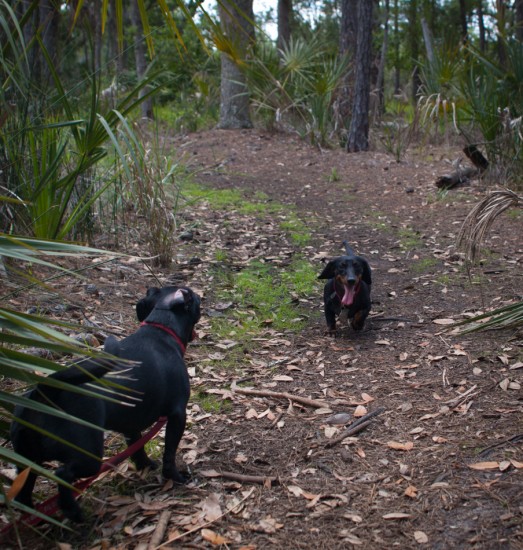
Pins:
x,y
328,271
366,275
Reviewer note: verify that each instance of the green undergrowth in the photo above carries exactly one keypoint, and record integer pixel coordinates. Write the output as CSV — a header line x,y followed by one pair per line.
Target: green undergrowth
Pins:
x,y
259,204
265,296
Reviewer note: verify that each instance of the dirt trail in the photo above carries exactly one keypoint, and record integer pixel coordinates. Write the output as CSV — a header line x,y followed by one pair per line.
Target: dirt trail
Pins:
x,y
450,402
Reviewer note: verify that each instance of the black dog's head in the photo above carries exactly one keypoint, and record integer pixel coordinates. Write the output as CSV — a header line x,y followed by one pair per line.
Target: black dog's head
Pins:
x,y
348,271
170,299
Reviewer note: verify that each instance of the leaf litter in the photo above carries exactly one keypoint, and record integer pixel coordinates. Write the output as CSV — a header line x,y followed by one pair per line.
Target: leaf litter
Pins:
x,y
258,426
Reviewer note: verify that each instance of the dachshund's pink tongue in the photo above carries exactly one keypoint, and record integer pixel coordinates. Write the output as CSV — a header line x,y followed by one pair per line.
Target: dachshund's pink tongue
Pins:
x,y
348,296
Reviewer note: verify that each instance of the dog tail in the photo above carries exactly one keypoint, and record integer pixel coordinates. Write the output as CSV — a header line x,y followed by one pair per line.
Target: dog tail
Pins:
x,y
87,370
348,249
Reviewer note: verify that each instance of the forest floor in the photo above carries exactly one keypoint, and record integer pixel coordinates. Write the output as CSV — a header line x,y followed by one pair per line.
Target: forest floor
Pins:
x,y
441,467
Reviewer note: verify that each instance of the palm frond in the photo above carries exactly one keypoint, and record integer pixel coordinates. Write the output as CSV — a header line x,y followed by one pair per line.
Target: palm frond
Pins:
x,y
480,219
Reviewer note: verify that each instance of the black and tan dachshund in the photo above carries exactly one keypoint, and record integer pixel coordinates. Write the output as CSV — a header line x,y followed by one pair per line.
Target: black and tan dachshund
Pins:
x,y
347,292
158,385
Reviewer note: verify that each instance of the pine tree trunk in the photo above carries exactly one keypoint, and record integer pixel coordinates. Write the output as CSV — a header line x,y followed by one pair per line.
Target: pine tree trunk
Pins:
x,y
140,56
284,23
358,138
234,96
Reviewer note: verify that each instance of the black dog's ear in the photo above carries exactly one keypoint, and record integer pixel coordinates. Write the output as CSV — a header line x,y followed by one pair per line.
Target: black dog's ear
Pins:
x,y
366,276
146,305
328,271
179,297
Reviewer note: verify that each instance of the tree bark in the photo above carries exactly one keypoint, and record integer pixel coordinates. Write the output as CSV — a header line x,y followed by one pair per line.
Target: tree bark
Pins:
x,y
397,70
285,15
380,83
347,47
140,56
413,38
358,138
518,15
236,23
463,21
481,27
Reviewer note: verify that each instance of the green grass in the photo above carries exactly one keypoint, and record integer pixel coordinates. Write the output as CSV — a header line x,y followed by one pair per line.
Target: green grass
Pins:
x,y
210,403
424,265
409,239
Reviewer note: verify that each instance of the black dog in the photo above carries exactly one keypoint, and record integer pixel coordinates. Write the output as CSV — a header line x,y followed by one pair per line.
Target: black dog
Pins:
x,y
158,385
347,293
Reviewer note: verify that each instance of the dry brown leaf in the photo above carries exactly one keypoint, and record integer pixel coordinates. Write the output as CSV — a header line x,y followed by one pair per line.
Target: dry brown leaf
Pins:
x,y
488,465
421,537
396,515
383,342
17,484
360,411
211,507
283,378
367,398
251,413
400,446
516,464
411,491
443,321
213,537
295,490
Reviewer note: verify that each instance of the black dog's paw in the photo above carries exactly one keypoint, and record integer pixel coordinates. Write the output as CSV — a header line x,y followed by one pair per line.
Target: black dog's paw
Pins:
x,y
178,477
147,463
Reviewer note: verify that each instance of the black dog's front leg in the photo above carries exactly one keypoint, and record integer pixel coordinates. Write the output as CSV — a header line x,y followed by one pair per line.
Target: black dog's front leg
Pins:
x,y
330,308
173,436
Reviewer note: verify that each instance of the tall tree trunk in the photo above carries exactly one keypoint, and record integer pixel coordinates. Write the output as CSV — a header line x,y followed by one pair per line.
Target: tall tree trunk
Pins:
x,y
49,22
397,70
427,38
347,47
413,38
236,23
518,12
481,26
285,15
140,56
383,56
501,21
463,21
358,138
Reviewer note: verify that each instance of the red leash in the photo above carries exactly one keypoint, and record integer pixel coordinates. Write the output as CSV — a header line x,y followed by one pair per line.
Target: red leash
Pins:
x,y
50,506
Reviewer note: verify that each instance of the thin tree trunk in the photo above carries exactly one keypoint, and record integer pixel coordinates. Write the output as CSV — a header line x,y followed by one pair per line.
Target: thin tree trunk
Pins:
x,y
347,47
381,67
463,21
414,46
285,15
397,70
481,27
358,138
427,37
236,22
518,13
140,56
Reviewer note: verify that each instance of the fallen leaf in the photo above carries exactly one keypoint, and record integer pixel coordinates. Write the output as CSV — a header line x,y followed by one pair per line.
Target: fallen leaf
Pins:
x,y
518,365
211,507
516,464
504,465
339,418
396,515
383,342
213,537
17,484
360,411
489,465
330,431
283,378
295,490
411,492
367,398
400,446
421,537
443,321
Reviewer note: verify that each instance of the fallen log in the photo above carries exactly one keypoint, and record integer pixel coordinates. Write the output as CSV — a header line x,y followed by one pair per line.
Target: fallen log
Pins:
x,y
465,173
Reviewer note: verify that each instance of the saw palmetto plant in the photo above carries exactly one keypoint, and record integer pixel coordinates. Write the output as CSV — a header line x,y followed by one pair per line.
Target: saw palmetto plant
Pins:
x,y
471,236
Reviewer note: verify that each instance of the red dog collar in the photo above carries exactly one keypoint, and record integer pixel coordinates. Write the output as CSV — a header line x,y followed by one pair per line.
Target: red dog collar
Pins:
x,y
168,331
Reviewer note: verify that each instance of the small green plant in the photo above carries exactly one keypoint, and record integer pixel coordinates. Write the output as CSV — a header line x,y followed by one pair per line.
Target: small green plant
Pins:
x,y
409,239
424,265
334,175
